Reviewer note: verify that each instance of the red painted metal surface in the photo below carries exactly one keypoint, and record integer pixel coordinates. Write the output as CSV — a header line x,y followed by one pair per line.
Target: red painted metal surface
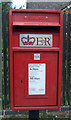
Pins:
x,y
35,22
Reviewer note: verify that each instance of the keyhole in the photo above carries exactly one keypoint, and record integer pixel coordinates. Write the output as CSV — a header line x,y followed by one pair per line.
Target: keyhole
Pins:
x,y
21,81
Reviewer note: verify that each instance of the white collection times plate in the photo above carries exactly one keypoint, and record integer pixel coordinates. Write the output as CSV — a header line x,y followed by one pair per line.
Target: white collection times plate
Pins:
x,y
36,78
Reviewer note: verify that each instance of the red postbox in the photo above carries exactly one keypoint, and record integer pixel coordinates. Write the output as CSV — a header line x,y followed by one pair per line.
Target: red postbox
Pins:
x,y
35,59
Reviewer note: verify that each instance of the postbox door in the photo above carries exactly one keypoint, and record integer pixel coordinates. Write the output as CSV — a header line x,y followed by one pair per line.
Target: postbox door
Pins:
x,y
44,87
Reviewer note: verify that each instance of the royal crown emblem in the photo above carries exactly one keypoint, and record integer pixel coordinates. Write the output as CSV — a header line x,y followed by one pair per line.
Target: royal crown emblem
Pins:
x,y
28,40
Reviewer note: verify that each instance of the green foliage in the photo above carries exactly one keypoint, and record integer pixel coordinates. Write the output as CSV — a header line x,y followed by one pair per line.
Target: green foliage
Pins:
x,y
6,6
44,115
